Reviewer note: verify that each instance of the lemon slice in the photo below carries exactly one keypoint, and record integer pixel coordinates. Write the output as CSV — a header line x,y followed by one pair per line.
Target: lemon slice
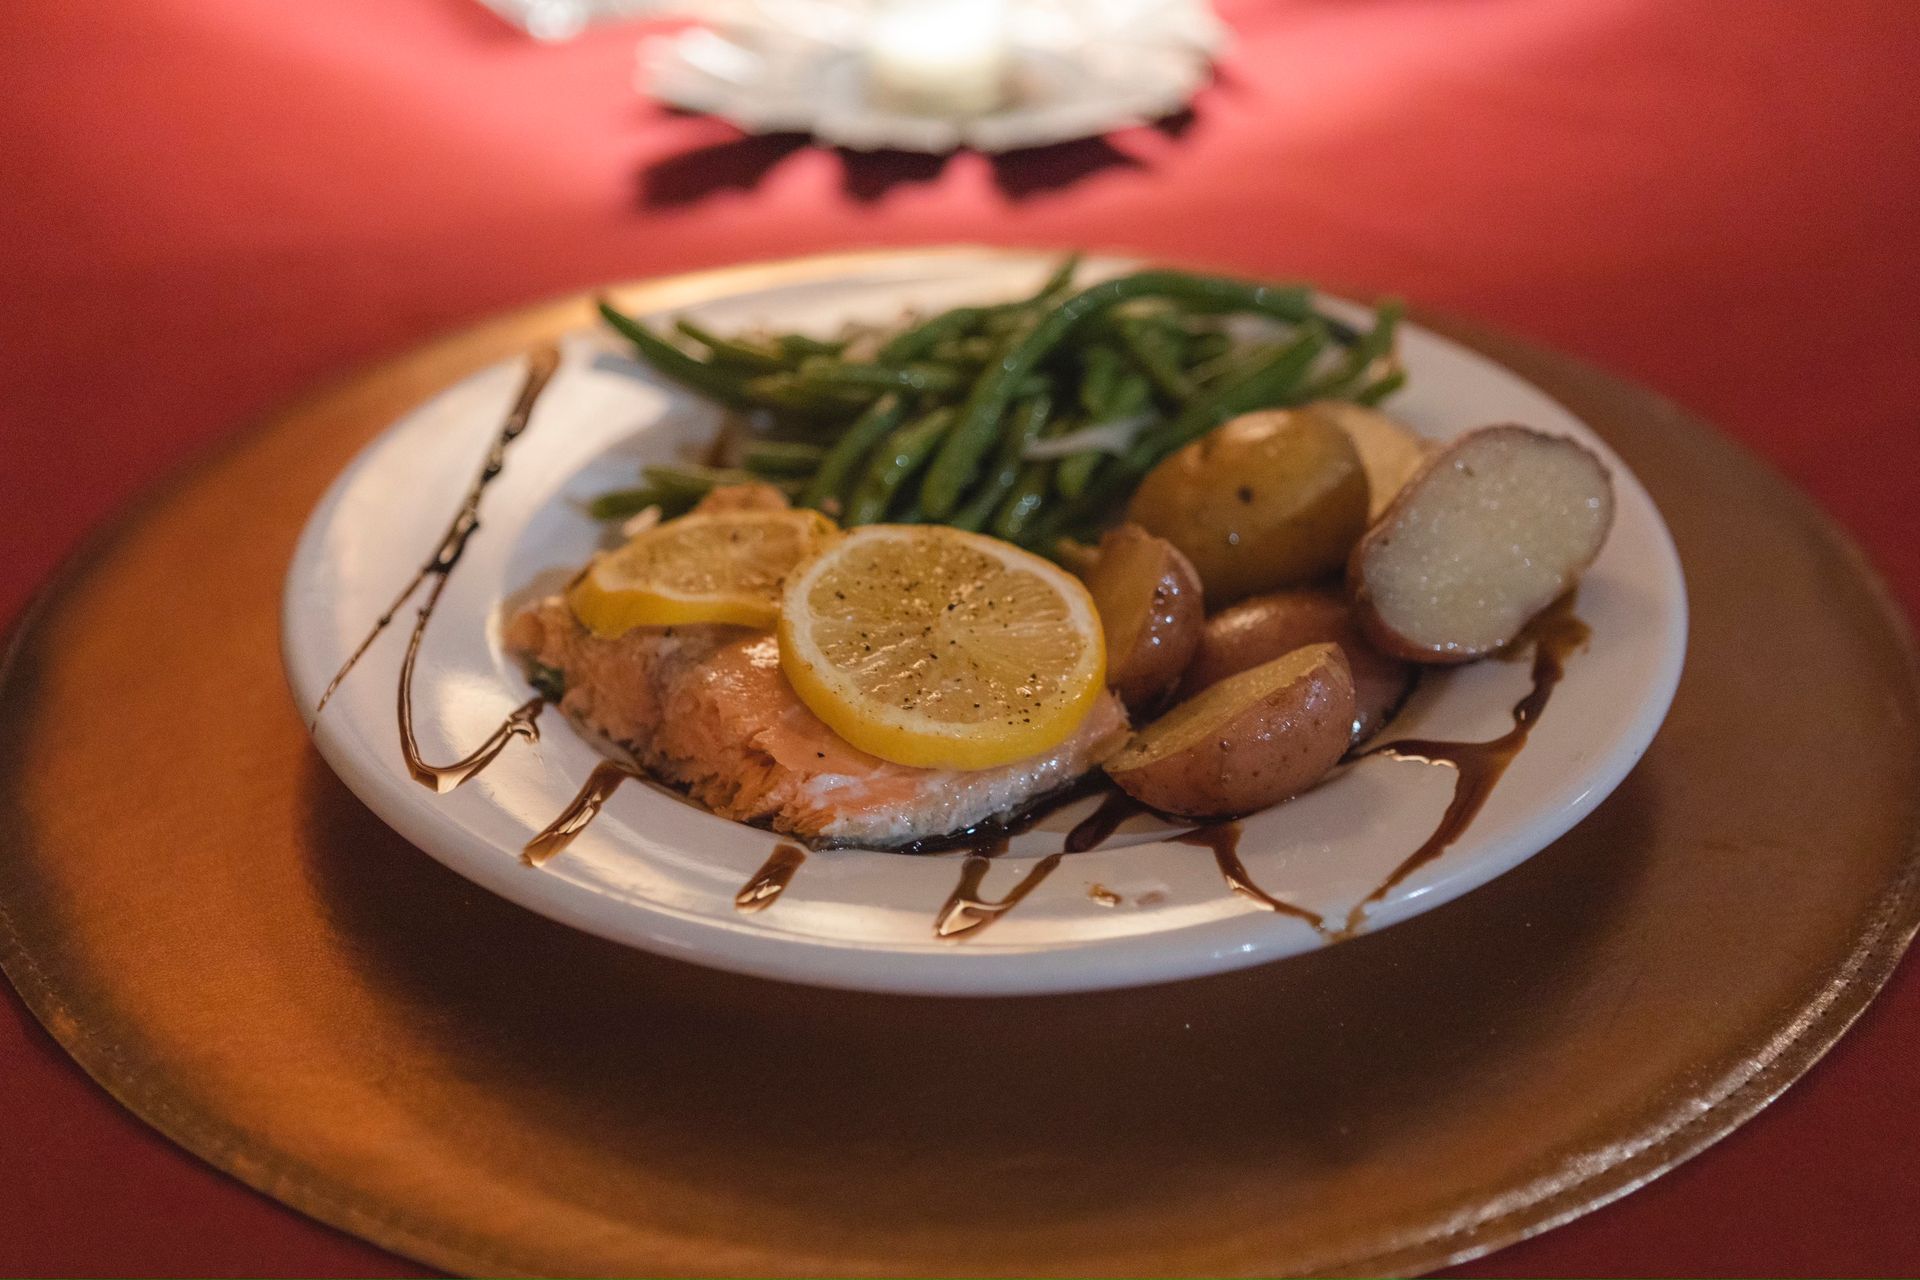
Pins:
x,y
725,567
933,647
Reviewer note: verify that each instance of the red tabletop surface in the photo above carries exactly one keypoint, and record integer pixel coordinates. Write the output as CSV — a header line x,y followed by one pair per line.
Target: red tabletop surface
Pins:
x,y
208,205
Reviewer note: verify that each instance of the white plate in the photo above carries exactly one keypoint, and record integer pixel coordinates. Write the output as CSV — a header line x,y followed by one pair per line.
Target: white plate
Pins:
x,y
658,873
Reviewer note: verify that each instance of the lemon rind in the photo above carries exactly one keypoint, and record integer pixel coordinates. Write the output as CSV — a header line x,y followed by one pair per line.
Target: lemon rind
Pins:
x,y
611,611
908,738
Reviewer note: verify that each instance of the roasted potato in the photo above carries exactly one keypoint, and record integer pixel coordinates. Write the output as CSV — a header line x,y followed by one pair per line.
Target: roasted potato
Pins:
x,y
1497,526
1150,608
1250,741
1265,627
1390,454
1266,501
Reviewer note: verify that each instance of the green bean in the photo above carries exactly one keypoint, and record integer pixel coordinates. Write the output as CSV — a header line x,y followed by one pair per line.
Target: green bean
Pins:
x,y
1100,366
1208,372
1375,345
972,352
1221,304
1061,280
1266,379
692,481
620,504
1030,420
1113,479
1127,394
783,458
960,321
1013,319
931,379
795,394
980,420
1148,349
928,334
671,362
1374,393
1009,316
1034,481
1021,314
798,346
735,352
830,481
1203,347
1126,400
1132,394
1023,502
1248,360
899,459
845,381
1074,471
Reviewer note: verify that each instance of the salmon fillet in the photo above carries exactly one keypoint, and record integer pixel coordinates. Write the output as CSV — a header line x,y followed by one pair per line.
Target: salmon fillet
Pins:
x,y
707,708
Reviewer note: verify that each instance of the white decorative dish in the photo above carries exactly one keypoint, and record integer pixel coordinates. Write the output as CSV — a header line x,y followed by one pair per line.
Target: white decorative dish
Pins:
x,y
657,872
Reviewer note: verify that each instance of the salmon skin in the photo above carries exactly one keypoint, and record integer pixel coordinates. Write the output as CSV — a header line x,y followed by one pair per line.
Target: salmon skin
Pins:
x,y
706,708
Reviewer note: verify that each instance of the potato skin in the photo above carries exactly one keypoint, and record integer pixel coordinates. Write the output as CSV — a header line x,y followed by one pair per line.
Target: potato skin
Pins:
x,y
1390,453
1366,613
1265,627
1256,753
1387,640
1150,605
1266,501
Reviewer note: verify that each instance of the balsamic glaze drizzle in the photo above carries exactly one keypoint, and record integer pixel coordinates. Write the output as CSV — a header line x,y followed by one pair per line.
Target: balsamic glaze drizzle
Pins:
x,y
542,364
521,723
1093,830
965,912
594,792
1555,635
1224,839
771,880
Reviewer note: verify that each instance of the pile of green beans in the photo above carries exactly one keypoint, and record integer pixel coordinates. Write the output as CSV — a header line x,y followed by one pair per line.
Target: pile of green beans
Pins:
x,y
934,422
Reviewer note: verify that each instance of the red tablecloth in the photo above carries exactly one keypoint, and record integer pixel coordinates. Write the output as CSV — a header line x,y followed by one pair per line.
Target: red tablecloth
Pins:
x,y
206,205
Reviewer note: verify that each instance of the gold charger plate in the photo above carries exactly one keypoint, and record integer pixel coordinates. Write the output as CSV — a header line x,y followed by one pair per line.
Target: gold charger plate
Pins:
x,y
243,955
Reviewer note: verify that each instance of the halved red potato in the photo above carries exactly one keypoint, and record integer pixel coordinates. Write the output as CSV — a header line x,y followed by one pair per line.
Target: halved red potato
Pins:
x,y
1250,741
1148,596
1497,526
1390,454
1269,500
1266,627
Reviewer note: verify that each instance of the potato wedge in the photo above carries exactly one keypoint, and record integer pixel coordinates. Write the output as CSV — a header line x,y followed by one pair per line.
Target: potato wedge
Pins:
x,y
1150,607
1390,454
1250,741
1497,526
1266,501
1265,627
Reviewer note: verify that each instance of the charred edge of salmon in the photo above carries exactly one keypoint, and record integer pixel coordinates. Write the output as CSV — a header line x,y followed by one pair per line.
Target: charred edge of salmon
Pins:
x,y
998,827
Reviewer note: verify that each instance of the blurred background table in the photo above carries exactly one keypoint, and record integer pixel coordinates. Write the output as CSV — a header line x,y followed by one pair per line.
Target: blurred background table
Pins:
x,y
208,205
